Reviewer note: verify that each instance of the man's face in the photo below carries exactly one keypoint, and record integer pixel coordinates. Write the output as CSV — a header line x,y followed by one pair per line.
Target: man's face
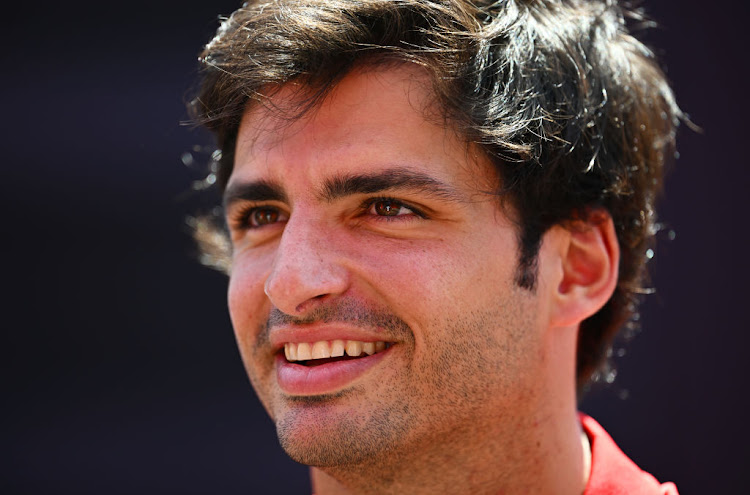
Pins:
x,y
365,226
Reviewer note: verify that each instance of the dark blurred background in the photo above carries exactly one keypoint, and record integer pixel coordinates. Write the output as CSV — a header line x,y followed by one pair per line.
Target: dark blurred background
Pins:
x,y
121,374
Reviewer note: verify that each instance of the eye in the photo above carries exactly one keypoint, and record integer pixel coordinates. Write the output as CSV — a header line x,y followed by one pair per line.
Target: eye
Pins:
x,y
263,215
389,208
254,217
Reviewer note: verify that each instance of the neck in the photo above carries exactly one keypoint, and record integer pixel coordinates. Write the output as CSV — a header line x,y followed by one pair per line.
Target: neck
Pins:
x,y
543,464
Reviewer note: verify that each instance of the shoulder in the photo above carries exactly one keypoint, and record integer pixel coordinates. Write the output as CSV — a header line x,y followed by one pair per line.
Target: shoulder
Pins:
x,y
612,472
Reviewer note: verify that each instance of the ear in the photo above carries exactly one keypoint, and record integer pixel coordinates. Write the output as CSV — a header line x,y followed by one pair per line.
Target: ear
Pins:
x,y
589,259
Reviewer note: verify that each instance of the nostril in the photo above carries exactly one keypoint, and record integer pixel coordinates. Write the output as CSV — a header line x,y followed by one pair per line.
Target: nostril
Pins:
x,y
305,306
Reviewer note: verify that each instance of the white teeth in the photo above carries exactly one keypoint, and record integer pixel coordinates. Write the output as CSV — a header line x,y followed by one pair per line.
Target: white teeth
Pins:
x,y
306,351
353,347
337,348
321,350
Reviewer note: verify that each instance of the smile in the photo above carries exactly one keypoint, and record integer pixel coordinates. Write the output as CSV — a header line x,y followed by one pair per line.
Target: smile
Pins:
x,y
309,351
327,366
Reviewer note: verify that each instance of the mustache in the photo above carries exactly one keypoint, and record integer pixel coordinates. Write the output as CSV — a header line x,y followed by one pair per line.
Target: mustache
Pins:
x,y
350,312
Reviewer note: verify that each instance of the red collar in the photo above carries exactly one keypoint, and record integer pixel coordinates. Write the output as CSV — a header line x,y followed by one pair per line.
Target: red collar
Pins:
x,y
612,472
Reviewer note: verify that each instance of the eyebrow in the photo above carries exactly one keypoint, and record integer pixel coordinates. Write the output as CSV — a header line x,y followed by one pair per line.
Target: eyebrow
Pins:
x,y
347,185
256,191
390,179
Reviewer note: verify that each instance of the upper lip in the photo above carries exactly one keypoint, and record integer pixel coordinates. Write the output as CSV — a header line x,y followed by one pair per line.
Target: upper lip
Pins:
x,y
316,332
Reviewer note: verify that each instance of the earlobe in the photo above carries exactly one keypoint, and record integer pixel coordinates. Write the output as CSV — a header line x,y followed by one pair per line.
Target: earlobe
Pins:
x,y
589,259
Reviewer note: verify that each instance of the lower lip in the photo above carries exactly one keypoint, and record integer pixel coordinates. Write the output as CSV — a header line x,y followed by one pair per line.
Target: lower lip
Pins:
x,y
295,379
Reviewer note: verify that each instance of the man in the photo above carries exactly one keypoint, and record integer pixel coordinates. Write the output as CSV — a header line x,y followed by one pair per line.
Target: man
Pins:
x,y
438,214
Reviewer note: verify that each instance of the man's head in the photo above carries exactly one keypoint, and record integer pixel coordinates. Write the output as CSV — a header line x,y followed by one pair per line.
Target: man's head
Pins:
x,y
365,222
572,112
461,194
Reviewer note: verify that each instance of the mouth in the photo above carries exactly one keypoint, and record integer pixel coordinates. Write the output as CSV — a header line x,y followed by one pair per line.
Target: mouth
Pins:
x,y
324,351
327,366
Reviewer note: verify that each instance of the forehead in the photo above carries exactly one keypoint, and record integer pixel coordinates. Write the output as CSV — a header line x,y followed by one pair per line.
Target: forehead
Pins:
x,y
374,117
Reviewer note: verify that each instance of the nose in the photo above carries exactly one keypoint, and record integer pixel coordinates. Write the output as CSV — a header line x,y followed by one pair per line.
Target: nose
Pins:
x,y
307,268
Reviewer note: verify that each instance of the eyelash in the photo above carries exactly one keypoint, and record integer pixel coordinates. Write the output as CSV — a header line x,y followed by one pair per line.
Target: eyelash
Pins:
x,y
241,219
369,203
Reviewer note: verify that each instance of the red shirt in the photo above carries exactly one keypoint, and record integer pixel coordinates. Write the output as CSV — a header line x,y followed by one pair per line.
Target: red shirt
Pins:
x,y
612,473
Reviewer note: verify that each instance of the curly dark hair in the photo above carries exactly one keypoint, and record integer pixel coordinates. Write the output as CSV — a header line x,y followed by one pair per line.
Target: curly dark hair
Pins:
x,y
573,111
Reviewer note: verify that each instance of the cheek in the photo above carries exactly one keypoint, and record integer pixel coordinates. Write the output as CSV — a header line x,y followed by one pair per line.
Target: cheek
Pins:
x,y
405,272
245,296
440,274
248,310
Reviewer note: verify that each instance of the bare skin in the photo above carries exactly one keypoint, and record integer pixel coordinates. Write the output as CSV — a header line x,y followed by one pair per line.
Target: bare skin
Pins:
x,y
365,220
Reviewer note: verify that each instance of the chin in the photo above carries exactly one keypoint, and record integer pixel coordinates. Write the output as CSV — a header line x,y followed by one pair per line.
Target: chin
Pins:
x,y
321,435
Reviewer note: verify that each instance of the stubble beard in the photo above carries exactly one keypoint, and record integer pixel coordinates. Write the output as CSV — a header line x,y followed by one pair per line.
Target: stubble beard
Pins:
x,y
325,430
341,439
424,411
